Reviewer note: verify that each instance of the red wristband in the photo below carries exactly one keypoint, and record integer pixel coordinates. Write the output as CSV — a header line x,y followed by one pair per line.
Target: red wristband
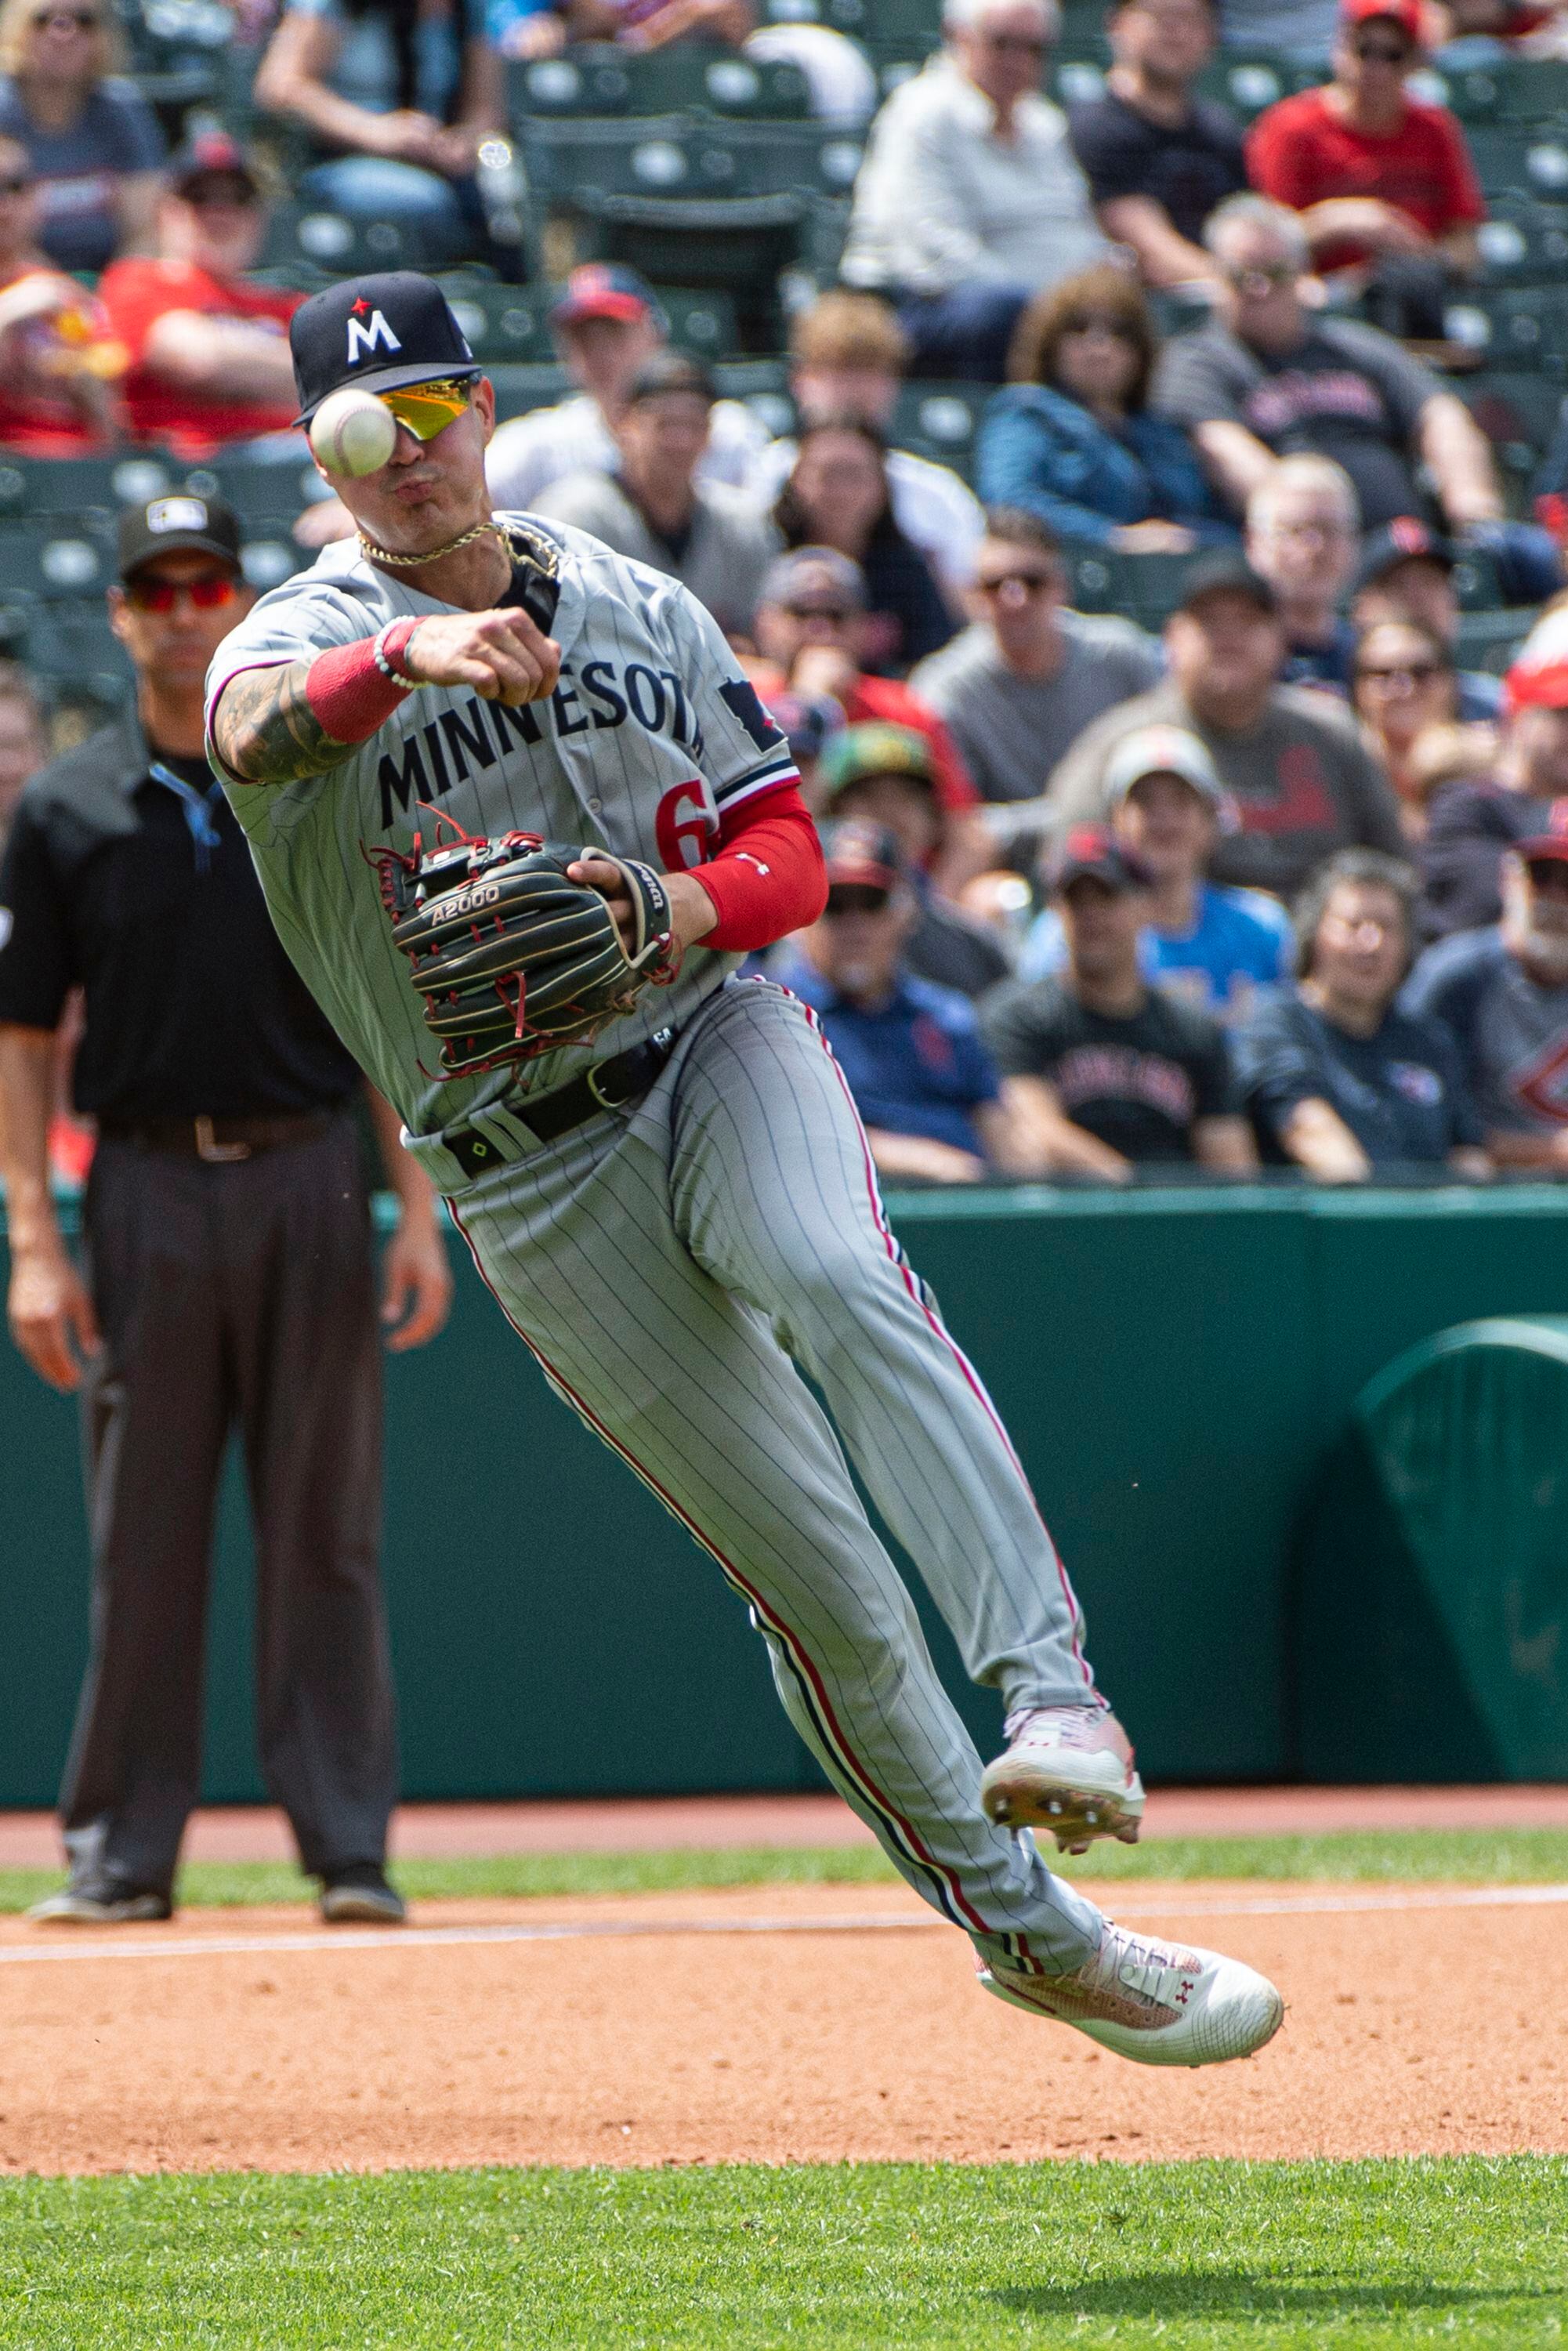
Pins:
x,y
354,690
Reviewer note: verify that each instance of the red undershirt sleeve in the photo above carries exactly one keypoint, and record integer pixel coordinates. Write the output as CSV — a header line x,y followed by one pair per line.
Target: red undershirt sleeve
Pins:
x,y
767,877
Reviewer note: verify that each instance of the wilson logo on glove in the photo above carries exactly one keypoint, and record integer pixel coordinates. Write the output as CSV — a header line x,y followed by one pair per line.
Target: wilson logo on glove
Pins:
x,y
513,957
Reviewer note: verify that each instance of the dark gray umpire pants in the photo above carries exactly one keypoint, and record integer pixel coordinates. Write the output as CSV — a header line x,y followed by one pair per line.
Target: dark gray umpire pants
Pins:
x,y
235,1293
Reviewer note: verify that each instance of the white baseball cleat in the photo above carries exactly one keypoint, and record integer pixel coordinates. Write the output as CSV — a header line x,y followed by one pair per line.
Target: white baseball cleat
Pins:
x,y
1068,1769
1157,2003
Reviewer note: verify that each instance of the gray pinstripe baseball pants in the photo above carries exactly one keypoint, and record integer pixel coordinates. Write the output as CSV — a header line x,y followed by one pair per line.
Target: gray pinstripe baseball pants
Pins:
x,y
664,1269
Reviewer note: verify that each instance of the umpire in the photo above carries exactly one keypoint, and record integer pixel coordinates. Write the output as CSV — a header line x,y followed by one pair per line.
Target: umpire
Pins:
x,y
228,1272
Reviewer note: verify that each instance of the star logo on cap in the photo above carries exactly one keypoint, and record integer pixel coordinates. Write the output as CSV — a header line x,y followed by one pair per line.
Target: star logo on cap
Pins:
x,y
359,307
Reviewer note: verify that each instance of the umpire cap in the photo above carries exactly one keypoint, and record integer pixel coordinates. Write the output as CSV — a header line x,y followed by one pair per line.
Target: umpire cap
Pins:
x,y
376,333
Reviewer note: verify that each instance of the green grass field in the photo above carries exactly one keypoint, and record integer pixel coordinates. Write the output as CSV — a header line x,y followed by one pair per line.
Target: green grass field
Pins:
x,y
1474,1856
1197,2257
1185,2257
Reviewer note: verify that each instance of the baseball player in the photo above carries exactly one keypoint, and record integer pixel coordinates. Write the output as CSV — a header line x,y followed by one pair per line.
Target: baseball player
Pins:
x,y
673,1204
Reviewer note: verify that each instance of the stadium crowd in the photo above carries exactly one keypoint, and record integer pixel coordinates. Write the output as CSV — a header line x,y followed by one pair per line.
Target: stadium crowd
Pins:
x,y
1178,822
1252,869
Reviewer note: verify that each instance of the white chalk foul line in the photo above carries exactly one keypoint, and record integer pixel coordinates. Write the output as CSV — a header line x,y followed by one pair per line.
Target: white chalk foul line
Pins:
x,y
86,1946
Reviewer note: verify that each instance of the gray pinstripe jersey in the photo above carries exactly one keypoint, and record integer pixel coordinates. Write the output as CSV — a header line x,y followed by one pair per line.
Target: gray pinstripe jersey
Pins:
x,y
651,737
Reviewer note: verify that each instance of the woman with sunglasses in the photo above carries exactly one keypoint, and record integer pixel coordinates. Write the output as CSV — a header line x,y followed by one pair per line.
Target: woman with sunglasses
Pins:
x,y
1403,682
1072,439
93,141
837,495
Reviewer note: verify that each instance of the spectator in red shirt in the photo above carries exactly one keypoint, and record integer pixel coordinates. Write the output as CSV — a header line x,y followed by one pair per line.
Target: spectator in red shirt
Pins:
x,y
209,352
58,362
1382,183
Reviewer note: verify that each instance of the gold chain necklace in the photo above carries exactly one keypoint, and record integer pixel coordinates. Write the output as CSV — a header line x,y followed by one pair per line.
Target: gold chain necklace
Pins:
x,y
383,555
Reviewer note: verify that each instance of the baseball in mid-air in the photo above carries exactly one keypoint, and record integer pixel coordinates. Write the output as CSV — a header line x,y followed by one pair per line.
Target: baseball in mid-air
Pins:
x,y
352,434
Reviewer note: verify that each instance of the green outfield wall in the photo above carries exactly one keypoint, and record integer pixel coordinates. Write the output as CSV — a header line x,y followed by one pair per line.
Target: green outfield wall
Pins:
x,y
1175,1365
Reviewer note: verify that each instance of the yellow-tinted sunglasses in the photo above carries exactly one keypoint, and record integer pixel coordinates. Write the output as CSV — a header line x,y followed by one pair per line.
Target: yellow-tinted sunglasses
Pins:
x,y
428,409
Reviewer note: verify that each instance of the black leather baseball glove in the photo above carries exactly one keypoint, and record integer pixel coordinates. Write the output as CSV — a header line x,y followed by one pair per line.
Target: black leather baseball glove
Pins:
x,y
511,957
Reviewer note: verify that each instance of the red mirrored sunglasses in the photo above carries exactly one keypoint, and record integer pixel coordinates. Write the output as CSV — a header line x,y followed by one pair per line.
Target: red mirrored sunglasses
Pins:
x,y
161,595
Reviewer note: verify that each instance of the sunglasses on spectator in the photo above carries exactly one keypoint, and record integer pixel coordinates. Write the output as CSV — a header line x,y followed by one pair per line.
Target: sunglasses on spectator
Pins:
x,y
1097,323
220,193
76,20
1030,583
1018,44
427,409
210,593
1382,53
1413,672
834,614
1266,279
857,898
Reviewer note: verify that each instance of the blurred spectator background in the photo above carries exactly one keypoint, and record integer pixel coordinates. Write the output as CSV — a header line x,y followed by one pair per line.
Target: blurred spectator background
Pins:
x,y
1158,156
1074,440
1381,182
1110,1072
971,198
93,141
1298,777
838,494
651,505
1339,1081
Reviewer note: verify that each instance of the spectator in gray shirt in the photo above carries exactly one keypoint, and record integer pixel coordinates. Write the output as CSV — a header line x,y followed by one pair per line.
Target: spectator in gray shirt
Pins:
x,y
1020,686
715,539
1299,782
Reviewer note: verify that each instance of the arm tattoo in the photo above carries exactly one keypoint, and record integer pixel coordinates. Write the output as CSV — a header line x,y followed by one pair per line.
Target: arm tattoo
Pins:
x,y
266,731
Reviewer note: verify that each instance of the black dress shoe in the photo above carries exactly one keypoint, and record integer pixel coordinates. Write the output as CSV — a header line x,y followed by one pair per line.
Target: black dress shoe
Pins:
x,y
101,1902
359,1895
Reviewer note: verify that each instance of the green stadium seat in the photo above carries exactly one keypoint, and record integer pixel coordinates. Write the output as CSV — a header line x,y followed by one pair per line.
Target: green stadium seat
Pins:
x,y
1489,640
1076,81
323,245
940,421
1512,89
509,323
58,559
1142,587
684,78
1517,327
1249,82
1511,162
738,246
1524,244
1518,414
520,388
86,486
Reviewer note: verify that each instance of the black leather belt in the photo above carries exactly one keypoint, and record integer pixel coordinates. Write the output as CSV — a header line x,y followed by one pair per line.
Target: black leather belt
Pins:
x,y
609,1085
219,1140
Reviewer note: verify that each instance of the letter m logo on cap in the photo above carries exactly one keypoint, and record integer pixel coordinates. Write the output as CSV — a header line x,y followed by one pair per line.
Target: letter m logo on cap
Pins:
x,y
363,340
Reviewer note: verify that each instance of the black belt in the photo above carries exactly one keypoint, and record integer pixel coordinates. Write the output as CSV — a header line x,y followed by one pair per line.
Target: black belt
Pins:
x,y
217,1140
609,1085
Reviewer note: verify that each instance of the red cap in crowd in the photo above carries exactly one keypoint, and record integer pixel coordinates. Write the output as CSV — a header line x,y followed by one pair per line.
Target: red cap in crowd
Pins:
x,y
1406,13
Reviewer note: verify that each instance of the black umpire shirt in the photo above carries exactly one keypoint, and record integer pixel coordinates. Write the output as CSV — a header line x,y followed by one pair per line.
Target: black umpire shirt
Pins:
x,y
143,895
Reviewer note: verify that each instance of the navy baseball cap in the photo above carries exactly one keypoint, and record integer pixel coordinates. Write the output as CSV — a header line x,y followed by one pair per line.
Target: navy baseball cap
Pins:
x,y
211,155
1405,539
1091,853
1226,575
376,333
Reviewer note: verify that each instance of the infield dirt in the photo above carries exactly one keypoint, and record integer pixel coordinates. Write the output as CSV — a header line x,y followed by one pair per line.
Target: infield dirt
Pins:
x,y
772,2024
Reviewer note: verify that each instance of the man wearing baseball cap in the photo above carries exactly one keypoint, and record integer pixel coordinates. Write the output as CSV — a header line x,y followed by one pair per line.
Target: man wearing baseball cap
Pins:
x,y
924,1083
1503,994
231,1280
608,326
207,348
1406,573
1111,1073
886,775
1382,182
1290,760
1211,945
